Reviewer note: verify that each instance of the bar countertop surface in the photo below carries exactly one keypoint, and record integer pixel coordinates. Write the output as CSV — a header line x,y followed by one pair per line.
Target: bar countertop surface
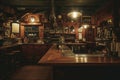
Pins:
x,y
56,57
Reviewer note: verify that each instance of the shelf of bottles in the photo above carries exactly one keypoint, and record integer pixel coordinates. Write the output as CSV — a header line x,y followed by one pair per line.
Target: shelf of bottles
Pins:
x,y
53,35
31,31
104,32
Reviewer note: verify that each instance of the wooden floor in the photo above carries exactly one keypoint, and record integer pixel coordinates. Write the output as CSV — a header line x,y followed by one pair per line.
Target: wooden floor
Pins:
x,y
32,72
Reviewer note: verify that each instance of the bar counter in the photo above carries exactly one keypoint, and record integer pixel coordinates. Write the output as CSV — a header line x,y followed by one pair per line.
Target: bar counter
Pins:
x,y
56,57
28,53
80,67
67,65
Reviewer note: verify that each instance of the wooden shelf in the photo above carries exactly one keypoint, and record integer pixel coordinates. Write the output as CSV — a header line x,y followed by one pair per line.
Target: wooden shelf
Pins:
x,y
31,31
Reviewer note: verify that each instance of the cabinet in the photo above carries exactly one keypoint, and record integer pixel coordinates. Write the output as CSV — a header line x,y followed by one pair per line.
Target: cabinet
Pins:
x,y
52,35
104,33
70,37
32,31
55,37
7,28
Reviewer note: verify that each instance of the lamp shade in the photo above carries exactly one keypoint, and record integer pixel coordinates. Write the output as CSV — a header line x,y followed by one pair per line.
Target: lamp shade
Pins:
x,y
74,14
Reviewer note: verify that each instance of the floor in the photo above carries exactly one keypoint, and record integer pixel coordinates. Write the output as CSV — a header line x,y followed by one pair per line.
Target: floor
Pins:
x,y
39,72
28,72
32,72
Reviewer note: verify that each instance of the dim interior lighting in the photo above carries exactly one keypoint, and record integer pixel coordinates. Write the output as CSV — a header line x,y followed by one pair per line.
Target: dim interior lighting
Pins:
x,y
81,58
80,29
59,16
93,27
73,30
109,21
74,14
72,21
77,59
85,26
32,19
17,20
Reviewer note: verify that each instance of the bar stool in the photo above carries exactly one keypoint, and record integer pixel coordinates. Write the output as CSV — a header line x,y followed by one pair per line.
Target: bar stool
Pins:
x,y
17,57
10,57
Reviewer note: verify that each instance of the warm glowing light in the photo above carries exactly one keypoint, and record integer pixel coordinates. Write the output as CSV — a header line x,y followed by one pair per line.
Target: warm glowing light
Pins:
x,y
80,29
80,36
93,27
59,16
85,26
109,21
73,30
76,59
32,19
15,27
82,59
85,59
74,14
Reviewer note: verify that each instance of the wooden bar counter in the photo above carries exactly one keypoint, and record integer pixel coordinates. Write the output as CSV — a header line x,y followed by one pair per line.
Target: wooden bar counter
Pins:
x,y
81,67
55,56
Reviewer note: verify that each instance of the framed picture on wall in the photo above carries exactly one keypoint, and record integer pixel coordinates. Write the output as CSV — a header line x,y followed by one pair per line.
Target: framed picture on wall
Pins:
x,y
15,27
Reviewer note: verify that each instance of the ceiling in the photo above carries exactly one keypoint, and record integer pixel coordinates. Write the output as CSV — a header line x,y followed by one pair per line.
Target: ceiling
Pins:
x,y
87,7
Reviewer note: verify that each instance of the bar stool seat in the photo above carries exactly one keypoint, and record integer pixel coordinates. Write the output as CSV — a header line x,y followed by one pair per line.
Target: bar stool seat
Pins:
x,y
12,57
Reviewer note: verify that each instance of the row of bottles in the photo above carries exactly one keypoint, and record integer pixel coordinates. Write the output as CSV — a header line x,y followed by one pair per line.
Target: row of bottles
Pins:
x,y
31,31
105,30
104,33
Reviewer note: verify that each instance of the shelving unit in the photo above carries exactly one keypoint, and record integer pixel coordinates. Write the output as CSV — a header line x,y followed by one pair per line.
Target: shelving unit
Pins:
x,y
104,33
55,37
32,31
1,29
52,35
